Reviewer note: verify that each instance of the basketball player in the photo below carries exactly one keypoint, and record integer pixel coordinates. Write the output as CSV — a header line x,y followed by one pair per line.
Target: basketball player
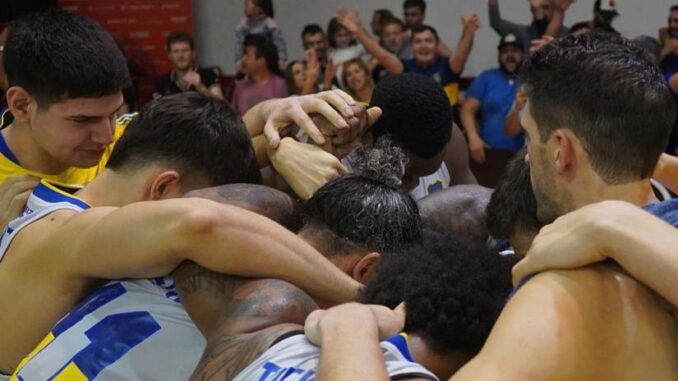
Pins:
x,y
125,224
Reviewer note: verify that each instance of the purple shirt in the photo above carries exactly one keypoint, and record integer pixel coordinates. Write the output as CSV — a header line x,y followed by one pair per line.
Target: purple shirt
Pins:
x,y
247,94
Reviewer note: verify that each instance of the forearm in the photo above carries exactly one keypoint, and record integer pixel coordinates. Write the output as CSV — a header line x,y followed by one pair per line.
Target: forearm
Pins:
x,y
350,351
464,46
390,61
645,246
239,242
468,121
512,123
555,24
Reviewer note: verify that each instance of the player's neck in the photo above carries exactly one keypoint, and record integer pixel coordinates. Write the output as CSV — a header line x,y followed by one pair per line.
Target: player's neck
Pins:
x,y
638,193
110,189
442,366
27,151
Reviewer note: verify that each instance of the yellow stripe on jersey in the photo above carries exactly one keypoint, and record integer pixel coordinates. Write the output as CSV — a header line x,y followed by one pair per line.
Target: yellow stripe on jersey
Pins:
x,y
72,177
452,91
48,339
70,373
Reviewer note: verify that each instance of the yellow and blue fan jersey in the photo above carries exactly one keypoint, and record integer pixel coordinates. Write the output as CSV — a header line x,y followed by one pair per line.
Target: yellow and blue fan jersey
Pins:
x,y
125,330
71,177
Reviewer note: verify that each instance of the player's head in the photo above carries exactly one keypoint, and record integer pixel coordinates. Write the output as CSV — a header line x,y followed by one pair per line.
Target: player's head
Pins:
x,y
512,211
416,114
65,76
183,142
598,114
357,218
453,291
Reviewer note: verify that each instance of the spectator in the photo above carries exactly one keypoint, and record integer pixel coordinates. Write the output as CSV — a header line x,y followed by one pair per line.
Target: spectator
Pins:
x,y
262,80
259,20
395,40
493,93
604,12
344,48
300,78
414,14
547,19
378,18
427,61
357,79
315,45
185,76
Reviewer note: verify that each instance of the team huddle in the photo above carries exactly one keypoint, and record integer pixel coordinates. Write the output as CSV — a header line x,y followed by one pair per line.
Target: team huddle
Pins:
x,y
315,238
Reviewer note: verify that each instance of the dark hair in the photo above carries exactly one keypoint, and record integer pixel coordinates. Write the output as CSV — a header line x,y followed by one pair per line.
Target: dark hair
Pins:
x,y
383,14
265,48
178,36
421,4
453,290
610,94
580,26
365,210
424,28
57,55
416,113
674,8
512,204
289,77
266,7
311,29
392,20
198,134
332,28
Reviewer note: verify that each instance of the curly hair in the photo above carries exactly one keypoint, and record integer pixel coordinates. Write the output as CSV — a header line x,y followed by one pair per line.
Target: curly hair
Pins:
x,y
454,290
416,113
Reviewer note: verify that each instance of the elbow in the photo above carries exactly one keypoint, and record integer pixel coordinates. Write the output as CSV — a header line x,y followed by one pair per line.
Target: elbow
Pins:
x,y
198,219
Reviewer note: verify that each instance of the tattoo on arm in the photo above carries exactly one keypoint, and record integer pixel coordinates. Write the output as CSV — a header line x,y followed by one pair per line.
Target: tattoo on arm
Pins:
x,y
240,317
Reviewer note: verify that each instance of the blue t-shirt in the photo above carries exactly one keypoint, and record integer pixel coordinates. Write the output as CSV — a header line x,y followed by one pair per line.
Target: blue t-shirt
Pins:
x,y
666,210
496,93
440,72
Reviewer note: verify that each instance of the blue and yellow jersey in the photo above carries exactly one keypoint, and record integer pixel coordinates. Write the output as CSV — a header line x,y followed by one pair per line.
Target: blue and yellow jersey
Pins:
x,y
71,177
126,330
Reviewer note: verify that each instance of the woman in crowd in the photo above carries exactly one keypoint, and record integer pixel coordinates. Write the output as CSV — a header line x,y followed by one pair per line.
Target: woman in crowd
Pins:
x,y
357,80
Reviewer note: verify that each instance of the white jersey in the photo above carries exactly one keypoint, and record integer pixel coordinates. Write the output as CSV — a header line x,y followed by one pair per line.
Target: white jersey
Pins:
x,y
294,358
429,184
125,330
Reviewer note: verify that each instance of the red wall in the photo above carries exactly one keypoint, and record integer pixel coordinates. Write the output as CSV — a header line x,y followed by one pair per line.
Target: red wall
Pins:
x,y
140,28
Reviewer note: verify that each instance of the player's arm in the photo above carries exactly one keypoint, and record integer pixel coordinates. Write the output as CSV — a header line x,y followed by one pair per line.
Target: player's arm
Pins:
x,y
150,239
456,159
641,243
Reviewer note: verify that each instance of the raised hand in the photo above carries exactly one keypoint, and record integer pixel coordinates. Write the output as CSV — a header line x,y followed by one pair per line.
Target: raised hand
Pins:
x,y
192,78
470,23
350,20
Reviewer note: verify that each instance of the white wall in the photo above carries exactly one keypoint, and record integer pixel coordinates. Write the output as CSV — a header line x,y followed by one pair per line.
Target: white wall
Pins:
x,y
215,22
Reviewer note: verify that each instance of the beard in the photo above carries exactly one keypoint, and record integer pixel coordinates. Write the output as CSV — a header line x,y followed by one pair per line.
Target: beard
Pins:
x,y
673,32
510,67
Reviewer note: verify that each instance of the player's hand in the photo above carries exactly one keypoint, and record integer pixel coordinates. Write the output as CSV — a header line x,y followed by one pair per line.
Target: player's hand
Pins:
x,y
572,240
305,167
14,193
285,112
379,320
342,142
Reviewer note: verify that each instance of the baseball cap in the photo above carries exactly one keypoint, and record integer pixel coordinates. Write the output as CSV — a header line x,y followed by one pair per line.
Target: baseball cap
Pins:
x,y
510,39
